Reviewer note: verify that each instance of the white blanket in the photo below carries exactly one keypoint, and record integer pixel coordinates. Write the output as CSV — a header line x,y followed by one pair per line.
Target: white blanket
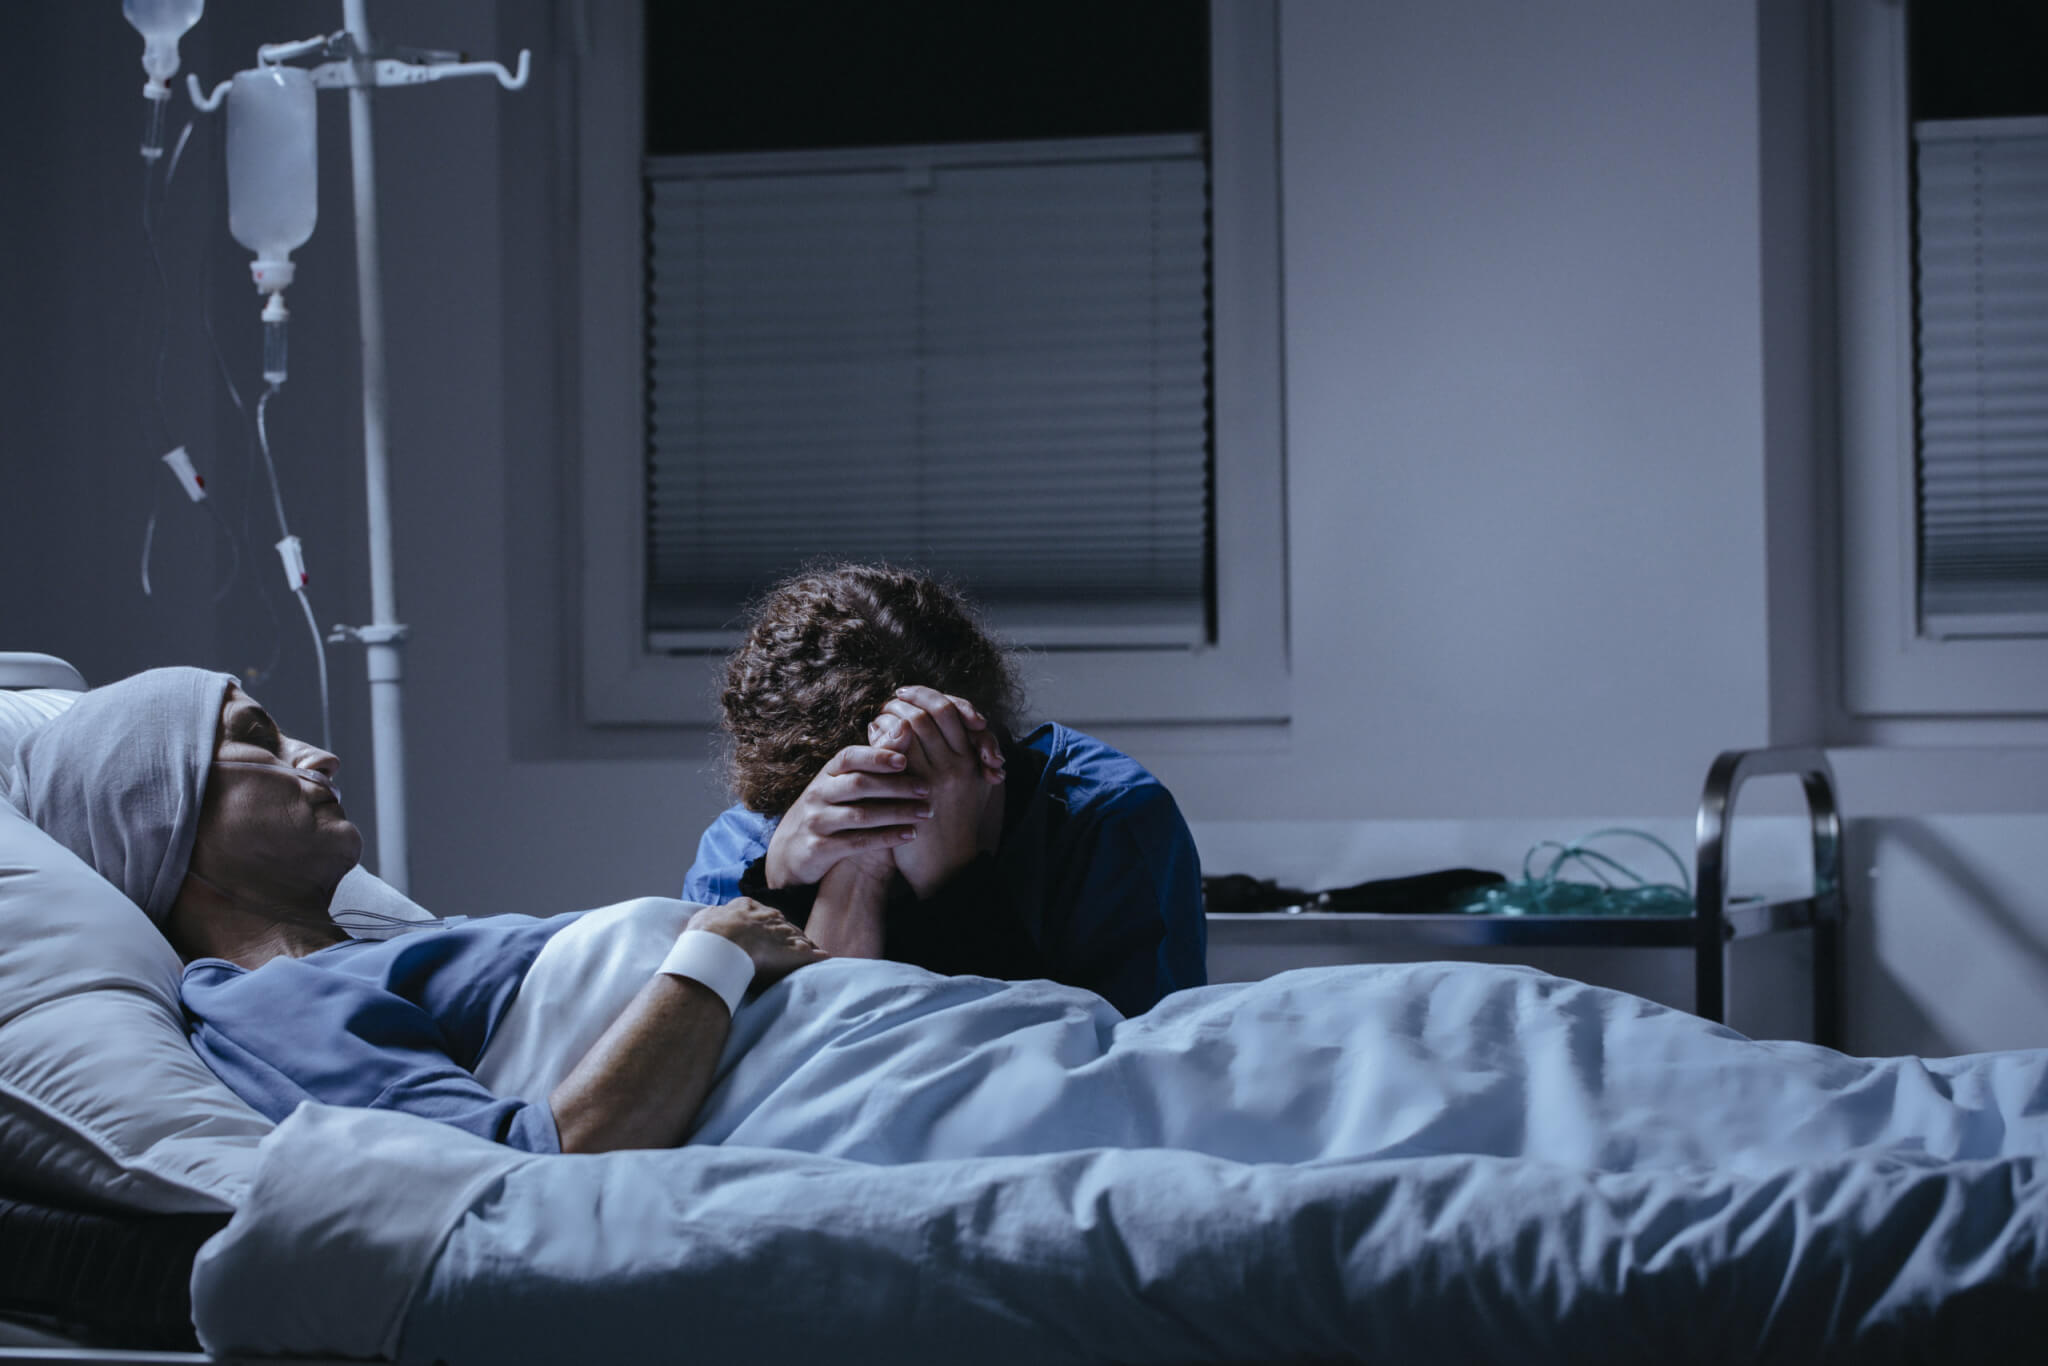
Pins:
x,y
581,981
1352,1163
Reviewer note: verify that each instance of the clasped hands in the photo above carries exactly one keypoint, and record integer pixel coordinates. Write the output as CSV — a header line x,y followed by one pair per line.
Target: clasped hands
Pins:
x,y
910,802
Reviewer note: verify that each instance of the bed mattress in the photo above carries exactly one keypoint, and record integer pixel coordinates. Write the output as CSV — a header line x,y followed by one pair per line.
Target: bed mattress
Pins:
x,y
108,1280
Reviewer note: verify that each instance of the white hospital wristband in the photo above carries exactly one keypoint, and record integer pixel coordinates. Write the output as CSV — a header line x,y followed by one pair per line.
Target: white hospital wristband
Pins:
x,y
713,960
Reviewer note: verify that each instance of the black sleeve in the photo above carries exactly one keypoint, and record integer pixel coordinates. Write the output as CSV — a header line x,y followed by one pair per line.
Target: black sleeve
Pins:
x,y
966,927
794,902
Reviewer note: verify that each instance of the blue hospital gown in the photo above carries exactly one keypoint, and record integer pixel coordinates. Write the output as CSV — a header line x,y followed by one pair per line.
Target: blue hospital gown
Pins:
x,y
396,1025
1096,882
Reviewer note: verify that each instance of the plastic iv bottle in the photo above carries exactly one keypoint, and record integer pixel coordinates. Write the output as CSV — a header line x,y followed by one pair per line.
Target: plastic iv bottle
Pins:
x,y
273,184
161,23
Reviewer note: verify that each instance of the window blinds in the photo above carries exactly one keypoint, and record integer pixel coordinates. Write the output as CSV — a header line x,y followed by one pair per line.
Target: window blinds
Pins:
x,y
1981,207
989,361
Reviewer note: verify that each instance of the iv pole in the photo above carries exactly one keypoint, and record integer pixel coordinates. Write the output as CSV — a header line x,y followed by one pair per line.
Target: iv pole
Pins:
x,y
359,69
384,638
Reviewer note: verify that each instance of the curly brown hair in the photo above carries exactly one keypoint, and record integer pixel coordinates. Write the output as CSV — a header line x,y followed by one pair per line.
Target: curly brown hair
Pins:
x,y
825,649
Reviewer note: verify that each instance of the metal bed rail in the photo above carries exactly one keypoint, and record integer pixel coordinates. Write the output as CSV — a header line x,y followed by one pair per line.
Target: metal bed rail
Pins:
x,y
1716,921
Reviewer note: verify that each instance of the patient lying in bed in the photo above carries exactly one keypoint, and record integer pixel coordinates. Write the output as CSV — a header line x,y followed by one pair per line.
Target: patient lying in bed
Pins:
x,y
230,835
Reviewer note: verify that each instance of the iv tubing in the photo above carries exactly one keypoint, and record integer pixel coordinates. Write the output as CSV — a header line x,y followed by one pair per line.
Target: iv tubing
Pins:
x,y
151,192
153,123
233,536
320,654
163,330
249,448
383,645
299,588
269,466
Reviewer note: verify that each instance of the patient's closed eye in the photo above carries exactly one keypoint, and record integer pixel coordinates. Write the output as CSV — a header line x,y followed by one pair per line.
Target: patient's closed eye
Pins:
x,y
254,726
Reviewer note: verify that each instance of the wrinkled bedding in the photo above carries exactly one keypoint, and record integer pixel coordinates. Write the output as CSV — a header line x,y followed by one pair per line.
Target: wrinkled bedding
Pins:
x,y
1372,1163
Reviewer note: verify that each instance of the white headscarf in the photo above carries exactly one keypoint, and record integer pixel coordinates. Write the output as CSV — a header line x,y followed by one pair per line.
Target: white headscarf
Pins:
x,y
118,778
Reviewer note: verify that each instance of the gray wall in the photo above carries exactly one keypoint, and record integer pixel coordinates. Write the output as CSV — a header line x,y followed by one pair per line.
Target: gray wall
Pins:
x,y
1558,472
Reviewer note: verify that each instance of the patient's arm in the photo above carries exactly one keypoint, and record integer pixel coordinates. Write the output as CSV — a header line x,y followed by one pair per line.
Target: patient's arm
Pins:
x,y
641,1083
846,917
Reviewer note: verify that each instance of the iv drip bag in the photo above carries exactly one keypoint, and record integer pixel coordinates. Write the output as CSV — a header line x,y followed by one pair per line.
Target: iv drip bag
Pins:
x,y
161,23
273,168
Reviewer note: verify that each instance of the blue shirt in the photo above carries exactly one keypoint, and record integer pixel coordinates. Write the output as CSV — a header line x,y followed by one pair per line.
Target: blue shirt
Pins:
x,y
396,1024
1096,882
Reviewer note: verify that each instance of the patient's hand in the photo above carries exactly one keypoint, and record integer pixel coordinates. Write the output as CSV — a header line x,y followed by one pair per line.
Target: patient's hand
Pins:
x,y
950,749
777,947
863,803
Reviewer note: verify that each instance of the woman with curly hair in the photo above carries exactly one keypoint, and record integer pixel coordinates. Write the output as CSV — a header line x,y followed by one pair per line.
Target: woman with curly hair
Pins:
x,y
889,805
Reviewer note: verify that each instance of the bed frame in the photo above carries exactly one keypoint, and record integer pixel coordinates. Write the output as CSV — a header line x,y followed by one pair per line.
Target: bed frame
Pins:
x,y
77,1255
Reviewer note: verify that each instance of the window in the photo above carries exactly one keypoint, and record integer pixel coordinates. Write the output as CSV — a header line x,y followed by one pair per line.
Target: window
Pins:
x,y
1942,213
1052,392
934,354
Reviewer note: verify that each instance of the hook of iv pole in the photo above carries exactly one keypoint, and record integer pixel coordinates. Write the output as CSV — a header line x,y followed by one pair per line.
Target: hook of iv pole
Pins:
x,y
202,100
389,634
383,71
393,71
512,82
270,54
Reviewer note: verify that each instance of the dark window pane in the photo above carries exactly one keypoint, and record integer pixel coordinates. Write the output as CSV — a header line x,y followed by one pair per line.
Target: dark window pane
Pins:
x,y
1979,59
770,75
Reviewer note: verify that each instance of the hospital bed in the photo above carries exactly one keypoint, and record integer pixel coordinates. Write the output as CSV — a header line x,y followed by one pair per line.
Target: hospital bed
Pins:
x,y
81,1284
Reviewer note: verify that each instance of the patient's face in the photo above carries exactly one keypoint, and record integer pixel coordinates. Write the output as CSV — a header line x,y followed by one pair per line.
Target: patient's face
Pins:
x,y
268,827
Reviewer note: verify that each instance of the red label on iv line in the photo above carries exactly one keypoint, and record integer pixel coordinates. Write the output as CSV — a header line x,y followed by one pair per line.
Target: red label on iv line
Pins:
x,y
294,562
188,477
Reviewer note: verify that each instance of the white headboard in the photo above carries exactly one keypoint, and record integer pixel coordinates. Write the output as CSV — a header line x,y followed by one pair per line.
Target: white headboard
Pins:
x,y
19,669
33,688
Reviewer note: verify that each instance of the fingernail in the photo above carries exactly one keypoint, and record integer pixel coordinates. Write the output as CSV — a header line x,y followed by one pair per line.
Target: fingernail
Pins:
x,y
910,834
920,791
925,812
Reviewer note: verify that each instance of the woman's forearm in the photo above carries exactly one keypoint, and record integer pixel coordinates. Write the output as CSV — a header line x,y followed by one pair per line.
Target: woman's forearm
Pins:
x,y
642,1082
846,917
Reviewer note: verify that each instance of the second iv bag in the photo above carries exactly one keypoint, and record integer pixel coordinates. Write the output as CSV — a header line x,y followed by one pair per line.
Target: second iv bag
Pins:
x,y
273,171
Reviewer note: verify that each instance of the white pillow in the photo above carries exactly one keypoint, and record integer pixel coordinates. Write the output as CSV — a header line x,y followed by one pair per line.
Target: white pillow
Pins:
x,y
23,670
102,1100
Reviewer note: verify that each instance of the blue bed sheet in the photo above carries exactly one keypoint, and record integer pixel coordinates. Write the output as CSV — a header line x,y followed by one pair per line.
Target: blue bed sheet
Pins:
x,y
1416,1162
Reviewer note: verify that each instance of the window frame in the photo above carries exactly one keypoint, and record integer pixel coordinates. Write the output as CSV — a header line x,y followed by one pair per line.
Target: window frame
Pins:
x,y
1242,675
1891,666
